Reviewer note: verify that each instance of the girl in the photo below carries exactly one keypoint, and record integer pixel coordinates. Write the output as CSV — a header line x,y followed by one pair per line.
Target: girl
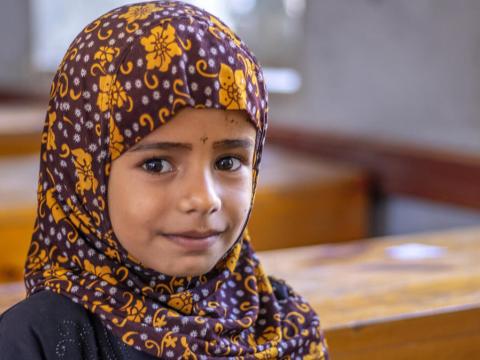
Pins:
x,y
149,162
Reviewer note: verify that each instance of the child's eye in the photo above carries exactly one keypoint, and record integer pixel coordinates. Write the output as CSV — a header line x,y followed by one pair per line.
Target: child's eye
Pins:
x,y
228,163
157,166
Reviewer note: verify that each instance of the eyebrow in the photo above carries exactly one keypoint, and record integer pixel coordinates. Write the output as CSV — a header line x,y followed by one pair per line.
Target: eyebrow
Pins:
x,y
221,144
233,143
161,146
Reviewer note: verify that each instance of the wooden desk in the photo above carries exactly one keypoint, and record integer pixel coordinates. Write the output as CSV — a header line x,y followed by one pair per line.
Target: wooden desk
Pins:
x,y
302,200
373,306
20,128
18,177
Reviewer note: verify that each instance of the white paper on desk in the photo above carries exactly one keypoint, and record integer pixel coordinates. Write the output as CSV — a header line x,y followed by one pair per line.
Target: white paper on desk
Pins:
x,y
415,251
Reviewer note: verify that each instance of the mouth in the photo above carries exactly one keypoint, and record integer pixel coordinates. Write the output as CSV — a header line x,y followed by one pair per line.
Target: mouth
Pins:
x,y
194,240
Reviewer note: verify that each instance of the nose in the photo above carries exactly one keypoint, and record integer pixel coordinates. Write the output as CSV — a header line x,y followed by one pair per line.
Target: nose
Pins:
x,y
200,194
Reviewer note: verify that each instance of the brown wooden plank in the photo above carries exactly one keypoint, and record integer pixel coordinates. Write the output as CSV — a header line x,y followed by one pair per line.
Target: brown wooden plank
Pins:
x,y
449,334
405,169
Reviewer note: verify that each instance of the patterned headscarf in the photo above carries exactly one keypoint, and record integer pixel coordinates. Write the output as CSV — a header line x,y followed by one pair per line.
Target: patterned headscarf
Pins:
x,y
127,73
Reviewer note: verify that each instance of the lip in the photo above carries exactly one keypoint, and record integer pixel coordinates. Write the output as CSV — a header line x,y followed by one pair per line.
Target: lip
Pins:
x,y
194,240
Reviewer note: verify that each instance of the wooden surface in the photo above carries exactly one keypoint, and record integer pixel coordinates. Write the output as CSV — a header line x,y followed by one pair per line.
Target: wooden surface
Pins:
x,y
300,201
18,177
20,128
374,306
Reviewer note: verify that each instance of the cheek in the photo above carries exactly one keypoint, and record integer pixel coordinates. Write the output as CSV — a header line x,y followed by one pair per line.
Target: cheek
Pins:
x,y
237,202
134,208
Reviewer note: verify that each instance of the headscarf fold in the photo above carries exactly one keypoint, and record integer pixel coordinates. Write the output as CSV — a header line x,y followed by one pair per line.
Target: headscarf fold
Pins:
x,y
127,73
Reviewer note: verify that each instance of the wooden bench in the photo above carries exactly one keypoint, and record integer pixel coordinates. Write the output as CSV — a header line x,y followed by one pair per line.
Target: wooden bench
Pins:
x,y
378,299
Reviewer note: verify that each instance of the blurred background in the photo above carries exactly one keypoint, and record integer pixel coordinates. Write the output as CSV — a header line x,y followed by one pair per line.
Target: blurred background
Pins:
x,y
374,112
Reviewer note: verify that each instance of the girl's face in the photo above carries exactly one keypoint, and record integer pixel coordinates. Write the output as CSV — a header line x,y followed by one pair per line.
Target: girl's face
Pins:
x,y
179,198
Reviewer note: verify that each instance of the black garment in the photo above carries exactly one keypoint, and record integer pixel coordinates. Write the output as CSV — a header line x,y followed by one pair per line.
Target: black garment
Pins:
x,y
49,326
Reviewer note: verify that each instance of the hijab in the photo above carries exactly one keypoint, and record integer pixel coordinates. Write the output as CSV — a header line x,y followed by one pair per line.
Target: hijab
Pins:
x,y
127,73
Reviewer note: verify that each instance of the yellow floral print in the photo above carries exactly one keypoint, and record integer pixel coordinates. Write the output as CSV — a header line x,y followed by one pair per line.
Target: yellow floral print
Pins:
x,y
178,282
112,253
79,219
104,307
271,333
116,140
83,166
233,94
263,283
232,259
111,93
37,261
159,321
56,277
103,272
137,312
270,353
105,54
187,354
161,47
139,12
51,136
316,352
170,341
181,302
56,272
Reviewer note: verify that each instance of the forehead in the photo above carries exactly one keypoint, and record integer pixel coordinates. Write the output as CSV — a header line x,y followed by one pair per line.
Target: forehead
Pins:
x,y
198,124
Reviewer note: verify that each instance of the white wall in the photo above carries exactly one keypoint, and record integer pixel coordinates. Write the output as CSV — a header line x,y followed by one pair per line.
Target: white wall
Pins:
x,y
400,69
14,42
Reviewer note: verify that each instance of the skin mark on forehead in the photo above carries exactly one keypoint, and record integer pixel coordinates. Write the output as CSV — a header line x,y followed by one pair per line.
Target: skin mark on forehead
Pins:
x,y
232,120
204,139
